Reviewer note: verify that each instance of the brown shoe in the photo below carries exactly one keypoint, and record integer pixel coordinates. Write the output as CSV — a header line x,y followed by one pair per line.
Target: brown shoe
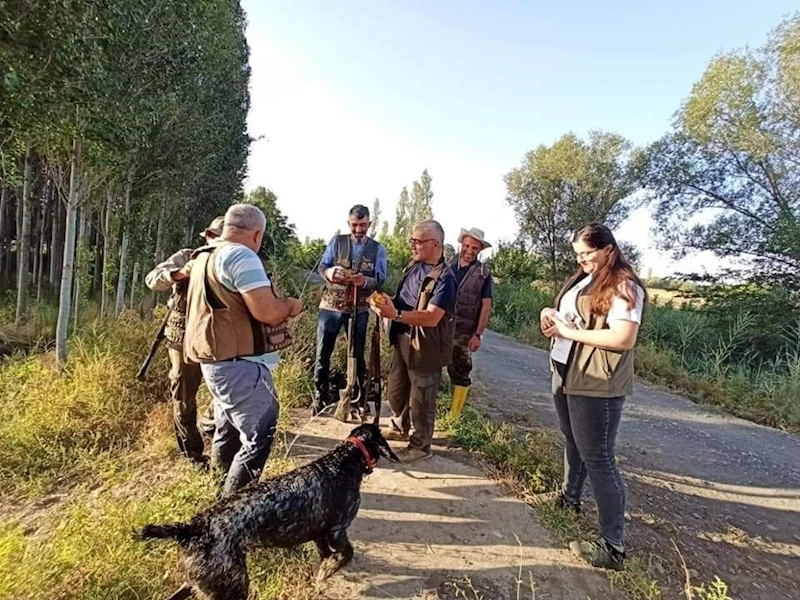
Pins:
x,y
395,436
408,455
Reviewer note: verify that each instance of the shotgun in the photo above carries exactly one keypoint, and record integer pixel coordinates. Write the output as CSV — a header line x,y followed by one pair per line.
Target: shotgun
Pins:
x,y
374,382
350,397
154,347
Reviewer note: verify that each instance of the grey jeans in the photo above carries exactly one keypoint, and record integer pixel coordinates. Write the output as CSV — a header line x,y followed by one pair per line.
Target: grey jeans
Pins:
x,y
245,413
590,426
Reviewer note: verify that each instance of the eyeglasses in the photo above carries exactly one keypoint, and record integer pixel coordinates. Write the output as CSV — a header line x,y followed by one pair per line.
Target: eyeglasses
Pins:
x,y
412,242
585,255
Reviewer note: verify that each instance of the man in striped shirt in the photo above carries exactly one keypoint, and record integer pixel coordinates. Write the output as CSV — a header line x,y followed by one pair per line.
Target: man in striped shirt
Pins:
x,y
230,300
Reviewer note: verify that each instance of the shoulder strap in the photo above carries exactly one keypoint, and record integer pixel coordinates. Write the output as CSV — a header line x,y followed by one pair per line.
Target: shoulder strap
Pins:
x,y
343,247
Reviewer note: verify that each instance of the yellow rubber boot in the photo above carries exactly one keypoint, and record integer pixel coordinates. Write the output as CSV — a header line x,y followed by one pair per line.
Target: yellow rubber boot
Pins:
x,y
459,398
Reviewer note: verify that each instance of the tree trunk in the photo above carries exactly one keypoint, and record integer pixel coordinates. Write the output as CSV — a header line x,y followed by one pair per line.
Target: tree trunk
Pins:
x,y
59,239
189,233
97,268
18,236
104,284
3,220
134,281
159,253
124,246
45,222
65,293
80,266
24,245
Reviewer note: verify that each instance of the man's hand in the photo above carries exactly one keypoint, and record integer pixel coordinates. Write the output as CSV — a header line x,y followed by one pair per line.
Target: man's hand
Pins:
x,y
295,306
358,279
386,309
182,273
336,275
474,343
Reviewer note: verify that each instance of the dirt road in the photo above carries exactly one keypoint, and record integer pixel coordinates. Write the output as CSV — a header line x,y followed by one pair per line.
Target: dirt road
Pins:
x,y
439,529
726,490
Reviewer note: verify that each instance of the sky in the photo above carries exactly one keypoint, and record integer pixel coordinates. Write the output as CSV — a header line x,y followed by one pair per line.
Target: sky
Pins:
x,y
352,100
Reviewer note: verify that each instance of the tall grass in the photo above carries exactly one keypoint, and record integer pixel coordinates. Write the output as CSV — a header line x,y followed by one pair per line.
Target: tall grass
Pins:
x,y
729,354
88,455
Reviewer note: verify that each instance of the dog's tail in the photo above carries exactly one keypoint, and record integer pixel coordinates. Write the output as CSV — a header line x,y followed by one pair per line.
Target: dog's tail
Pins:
x,y
182,532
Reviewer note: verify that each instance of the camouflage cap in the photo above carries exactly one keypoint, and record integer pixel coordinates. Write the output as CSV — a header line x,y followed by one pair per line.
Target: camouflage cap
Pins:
x,y
215,228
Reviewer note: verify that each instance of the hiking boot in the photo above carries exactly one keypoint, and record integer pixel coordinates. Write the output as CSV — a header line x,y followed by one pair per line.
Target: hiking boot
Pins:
x,y
408,455
392,435
563,504
599,553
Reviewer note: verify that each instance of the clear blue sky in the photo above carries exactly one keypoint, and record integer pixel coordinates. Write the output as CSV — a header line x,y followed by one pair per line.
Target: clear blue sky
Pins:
x,y
467,87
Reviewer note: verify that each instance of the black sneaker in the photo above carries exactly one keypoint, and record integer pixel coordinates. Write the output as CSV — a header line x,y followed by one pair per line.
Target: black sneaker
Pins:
x,y
599,553
563,504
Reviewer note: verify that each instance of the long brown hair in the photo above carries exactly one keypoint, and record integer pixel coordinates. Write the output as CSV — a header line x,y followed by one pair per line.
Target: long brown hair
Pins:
x,y
615,278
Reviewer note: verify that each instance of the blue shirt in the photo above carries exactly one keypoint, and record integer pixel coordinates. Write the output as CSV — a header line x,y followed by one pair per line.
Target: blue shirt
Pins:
x,y
329,258
444,292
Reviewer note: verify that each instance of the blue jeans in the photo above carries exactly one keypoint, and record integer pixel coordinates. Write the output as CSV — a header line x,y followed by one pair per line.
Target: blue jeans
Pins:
x,y
245,414
329,324
590,426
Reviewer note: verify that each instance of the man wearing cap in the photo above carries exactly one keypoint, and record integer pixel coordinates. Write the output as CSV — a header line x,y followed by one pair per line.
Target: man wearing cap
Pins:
x,y
184,377
473,309
353,264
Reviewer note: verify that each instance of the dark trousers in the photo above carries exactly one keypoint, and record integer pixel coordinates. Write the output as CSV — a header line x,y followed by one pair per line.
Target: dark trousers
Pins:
x,y
590,426
329,324
461,366
184,380
412,396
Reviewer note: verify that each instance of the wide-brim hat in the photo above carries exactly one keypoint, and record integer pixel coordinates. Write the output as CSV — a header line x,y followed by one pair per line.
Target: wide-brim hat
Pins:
x,y
476,234
215,227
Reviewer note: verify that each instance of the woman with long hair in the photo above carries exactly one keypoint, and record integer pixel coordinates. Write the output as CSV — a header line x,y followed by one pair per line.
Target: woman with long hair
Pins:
x,y
593,329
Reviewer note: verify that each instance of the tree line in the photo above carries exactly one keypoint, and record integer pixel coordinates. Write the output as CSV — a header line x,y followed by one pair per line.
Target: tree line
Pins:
x,y
730,158
122,133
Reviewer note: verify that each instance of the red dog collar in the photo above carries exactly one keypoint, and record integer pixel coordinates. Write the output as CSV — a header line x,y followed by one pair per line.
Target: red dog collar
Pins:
x,y
360,445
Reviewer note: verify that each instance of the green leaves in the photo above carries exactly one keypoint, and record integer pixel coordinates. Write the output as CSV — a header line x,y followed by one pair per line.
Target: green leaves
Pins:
x,y
559,188
726,178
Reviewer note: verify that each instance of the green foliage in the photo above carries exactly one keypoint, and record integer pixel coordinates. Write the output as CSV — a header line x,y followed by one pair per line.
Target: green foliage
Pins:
x,y
731,158
739,350
557,189
375,216
512,262
421,199
279,235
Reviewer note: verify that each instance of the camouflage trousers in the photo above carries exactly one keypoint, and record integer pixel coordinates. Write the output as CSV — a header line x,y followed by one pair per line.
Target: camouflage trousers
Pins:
x,y
461,365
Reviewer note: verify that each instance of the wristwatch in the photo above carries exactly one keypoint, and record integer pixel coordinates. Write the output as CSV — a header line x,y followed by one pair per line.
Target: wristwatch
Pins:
x,y
478,335
397,316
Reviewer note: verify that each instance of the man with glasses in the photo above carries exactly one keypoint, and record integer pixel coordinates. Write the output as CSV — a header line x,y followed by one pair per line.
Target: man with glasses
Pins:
x,y
353,264
421,334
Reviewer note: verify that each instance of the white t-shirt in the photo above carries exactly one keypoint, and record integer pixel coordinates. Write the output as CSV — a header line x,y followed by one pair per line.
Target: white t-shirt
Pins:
x,y
240,270
568,309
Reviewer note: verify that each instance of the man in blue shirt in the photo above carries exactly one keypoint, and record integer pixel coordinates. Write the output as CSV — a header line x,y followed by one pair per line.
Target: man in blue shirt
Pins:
x,y
353,266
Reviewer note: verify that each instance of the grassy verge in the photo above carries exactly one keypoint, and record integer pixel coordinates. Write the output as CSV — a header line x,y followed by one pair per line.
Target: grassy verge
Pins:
x,y
529,463
88,456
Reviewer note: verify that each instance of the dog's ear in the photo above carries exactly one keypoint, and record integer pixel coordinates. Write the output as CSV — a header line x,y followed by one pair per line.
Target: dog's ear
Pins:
x,y
385,450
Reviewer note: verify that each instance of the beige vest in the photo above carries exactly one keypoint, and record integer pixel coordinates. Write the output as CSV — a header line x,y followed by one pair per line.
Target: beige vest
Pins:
x,y
218,324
